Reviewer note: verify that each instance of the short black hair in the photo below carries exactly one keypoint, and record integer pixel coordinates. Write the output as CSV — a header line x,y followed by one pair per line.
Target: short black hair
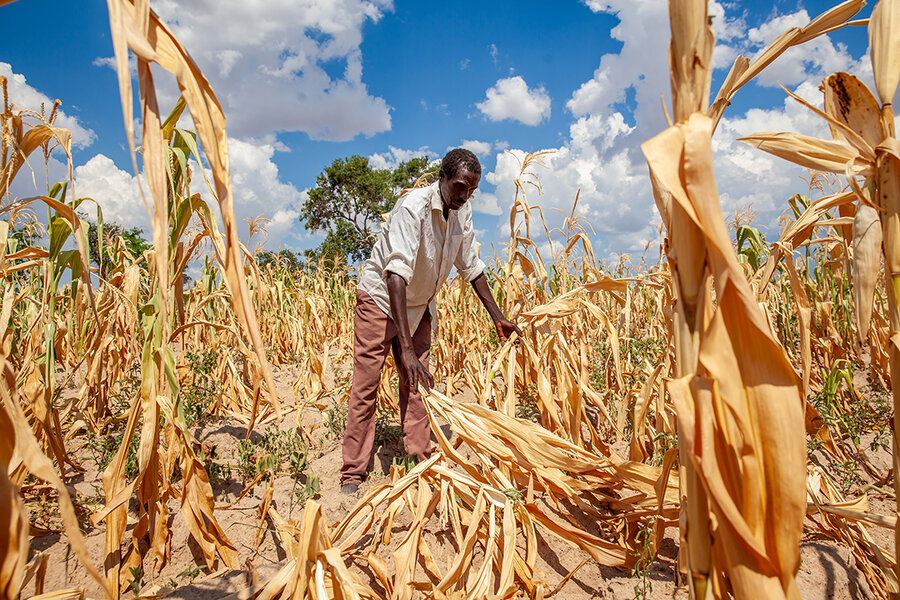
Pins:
x,y
459,158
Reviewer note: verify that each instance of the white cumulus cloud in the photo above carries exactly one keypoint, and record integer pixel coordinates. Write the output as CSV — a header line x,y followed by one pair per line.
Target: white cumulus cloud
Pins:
x,y
258,189
485,203
394,156
511,98
811,61
749,176
600,159
477,147
114,190
282,65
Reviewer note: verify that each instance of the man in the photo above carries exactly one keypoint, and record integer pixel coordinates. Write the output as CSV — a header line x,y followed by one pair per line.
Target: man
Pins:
x,y
428,232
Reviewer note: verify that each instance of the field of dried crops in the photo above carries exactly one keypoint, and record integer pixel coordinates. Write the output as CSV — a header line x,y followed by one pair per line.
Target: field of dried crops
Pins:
x,y
692,426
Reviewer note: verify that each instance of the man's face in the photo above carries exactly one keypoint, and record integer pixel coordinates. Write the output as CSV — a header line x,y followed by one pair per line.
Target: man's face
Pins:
x,y
456,190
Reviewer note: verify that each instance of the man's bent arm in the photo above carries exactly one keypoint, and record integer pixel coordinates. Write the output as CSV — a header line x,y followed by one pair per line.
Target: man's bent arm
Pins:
x,y
504,328
416,371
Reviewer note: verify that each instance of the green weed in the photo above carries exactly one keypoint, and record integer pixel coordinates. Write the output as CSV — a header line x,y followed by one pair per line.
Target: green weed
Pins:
x,y
662,443
526,407
103,448
277,451
198,395
407,461
246,464
336,420
847,474
386,429
137,580
309,491
514,495
848,413
191,573
643,587
219,473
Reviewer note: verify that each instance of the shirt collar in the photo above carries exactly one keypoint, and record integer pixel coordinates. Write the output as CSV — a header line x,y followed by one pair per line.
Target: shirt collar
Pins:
x,y
436,203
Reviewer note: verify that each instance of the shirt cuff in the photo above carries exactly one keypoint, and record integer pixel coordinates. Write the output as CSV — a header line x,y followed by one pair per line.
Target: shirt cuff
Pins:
x,y
400,268
472,272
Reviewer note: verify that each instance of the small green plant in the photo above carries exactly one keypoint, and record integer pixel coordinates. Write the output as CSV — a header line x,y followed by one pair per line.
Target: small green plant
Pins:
x,y
526,407
198,394
103,448
265,462
276,450
309,491
662,443
407,461
514,495
137,579
643,586
336,420
125,389
813,444
851,416
191,573
44,511
881,405
386,430
286,448
639,350
246,464
636,351
219,473
298,461
847,474
305,488
493,338
601,361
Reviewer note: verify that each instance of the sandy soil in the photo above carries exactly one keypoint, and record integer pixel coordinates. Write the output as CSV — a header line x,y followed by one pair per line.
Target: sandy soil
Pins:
x,y
827,570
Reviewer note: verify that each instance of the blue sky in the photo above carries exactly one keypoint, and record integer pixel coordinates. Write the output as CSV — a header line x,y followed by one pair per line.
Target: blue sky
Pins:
x,y
305,82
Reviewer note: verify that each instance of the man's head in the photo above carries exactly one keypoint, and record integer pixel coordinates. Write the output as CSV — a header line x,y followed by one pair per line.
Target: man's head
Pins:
x,y
459,177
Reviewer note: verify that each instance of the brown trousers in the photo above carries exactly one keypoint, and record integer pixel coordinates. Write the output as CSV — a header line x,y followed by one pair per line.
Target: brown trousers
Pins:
x,y
374,333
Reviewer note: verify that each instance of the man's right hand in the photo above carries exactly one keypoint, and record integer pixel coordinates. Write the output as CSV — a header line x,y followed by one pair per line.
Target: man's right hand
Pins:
x,y
416,371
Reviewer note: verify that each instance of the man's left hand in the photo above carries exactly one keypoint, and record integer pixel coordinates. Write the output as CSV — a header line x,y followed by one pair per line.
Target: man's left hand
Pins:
x,y
505,329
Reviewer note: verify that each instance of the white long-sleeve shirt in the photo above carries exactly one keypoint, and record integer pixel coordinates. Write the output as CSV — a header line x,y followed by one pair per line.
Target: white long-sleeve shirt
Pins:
x,y
417,244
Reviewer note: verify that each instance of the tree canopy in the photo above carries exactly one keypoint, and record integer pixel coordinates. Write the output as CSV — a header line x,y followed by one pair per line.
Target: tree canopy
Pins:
x,y
349,198
286,257
133,238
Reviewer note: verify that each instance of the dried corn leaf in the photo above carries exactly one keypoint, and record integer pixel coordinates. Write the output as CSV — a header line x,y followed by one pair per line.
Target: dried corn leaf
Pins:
x,y
741,73
810,152
850,102
866,264
884,48
156,43
40,466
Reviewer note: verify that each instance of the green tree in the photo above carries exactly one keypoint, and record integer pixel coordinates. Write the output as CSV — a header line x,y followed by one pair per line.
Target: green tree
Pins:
x,y
349,199
133,238
284,257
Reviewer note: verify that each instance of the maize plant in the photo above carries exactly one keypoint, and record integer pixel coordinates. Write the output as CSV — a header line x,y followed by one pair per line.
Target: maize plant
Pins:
x,y
713,392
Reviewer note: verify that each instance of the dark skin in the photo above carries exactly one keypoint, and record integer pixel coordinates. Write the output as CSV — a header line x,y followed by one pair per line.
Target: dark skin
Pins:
x,y
455,192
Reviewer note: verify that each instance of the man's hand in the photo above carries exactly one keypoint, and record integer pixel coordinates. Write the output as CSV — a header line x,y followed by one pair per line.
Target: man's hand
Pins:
x,y
416,371
505,329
